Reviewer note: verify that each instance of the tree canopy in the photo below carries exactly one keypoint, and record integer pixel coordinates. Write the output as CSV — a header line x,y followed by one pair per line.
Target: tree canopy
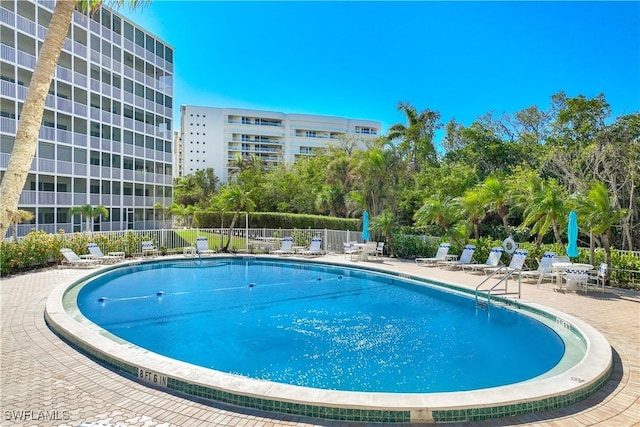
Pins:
x,y
517,173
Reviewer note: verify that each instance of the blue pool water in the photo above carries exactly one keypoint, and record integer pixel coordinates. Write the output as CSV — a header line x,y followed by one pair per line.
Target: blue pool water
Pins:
x,y
318,326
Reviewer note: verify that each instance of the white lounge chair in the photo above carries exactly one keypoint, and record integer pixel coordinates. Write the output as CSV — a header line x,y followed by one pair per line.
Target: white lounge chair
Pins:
x,y
202,246
465,258
544,270
97,254
516,264
314,248
148,248
71,259
492,260
441,255
286,247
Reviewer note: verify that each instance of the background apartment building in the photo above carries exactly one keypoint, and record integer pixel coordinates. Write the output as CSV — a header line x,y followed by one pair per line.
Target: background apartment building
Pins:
x,y
106,136
213,137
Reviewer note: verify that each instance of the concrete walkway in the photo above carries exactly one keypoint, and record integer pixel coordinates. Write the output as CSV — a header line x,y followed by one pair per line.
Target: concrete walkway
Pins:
x,y
45,382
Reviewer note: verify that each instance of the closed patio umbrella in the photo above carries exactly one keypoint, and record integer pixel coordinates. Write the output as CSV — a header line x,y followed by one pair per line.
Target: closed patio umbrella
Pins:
x,y
365,226
572,234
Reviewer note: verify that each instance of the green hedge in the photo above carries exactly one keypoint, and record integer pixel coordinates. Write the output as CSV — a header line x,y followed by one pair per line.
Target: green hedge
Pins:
x,y
275,220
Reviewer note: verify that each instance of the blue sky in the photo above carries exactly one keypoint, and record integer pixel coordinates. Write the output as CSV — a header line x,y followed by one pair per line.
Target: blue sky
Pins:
x,y
358,59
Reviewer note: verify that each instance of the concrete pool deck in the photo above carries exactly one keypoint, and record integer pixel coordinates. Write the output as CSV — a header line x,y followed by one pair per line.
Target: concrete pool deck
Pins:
x,y
44,379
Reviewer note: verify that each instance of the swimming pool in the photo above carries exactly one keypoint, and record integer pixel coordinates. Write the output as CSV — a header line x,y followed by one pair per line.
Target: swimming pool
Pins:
x,y
321,307
319,326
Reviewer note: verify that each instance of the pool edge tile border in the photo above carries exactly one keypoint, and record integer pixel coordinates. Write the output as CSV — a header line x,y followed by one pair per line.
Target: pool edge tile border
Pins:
x,y
577,383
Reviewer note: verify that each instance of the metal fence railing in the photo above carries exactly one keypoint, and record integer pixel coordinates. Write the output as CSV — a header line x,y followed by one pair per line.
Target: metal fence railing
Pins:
x,y
241,239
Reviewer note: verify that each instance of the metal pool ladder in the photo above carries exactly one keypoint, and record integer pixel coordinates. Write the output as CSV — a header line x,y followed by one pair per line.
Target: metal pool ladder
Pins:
x,y
486,303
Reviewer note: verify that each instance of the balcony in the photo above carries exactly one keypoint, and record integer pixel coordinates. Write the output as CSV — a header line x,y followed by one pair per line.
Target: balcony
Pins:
x,y
7,17
8,125
7,89
7,53
22,92
64,105
64,136
80,80
47,133
95,85
64,199
105,89
64,168
80,139
78,18
46,198
79,199
26,25
4,160
79,109
95,113
79,49
80,169
47,166
65,74
94,56
26,60
28,198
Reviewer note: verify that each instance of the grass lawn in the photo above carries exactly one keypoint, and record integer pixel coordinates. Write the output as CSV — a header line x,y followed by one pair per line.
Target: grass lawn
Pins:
x,y
215,240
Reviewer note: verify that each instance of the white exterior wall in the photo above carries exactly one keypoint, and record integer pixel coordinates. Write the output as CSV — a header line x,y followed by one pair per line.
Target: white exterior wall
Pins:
x,y
111,103
212,137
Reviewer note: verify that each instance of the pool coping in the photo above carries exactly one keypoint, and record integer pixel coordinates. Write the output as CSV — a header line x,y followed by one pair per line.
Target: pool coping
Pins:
x,y
564,389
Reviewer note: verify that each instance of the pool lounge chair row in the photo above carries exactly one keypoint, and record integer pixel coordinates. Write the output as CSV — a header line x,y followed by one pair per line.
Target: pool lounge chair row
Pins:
x,y
466,261
93,258
287,247
96,256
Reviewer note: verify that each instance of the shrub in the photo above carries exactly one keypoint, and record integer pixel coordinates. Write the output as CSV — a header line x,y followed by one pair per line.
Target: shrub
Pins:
x,y
412,246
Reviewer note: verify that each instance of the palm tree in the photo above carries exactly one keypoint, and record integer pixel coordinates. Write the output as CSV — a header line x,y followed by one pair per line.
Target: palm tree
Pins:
x,y
159,207
88,213
331,198
377,174
472,206
16,218
545,208
185,212
385,223
234,198
439,211
26,140
495,194
417,136
597,212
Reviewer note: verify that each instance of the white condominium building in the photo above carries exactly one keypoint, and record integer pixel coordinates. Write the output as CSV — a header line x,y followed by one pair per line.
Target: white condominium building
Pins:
x,y
106,136
214,137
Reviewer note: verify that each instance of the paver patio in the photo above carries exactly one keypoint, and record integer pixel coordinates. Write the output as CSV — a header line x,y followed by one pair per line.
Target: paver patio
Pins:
x,y
45,382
